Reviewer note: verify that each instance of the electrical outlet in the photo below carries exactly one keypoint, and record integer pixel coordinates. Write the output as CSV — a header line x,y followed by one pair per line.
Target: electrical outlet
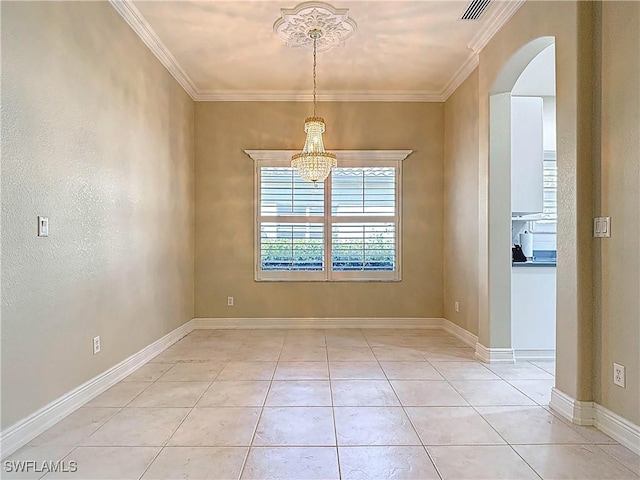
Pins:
x,y
618,375
96,345
457,306
229,301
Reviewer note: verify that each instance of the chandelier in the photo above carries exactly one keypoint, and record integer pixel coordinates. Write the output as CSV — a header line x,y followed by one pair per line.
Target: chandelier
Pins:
x,y
314,164
321,26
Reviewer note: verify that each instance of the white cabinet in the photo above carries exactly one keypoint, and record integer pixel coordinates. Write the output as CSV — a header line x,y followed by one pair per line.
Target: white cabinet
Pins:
x,y
533,311
526,155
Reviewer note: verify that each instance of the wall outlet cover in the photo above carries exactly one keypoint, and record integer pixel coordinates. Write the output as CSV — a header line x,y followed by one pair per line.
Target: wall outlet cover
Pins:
x,y
618,375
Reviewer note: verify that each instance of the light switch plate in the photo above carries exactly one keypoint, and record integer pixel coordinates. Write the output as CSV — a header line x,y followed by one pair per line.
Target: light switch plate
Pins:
x,y
43,226
602,227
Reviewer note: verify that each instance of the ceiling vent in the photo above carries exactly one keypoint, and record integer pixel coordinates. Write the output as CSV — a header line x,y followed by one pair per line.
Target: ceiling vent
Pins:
x,y
475,9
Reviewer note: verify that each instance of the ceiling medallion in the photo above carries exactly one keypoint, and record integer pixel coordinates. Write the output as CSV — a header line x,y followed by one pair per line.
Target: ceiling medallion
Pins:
x,y
295,25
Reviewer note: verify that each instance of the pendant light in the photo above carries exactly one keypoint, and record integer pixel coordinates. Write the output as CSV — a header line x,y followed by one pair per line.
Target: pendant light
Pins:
x,y
313,163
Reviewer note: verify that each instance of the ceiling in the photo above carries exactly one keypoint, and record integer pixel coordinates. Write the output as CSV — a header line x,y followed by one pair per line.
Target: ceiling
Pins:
x,y
401,51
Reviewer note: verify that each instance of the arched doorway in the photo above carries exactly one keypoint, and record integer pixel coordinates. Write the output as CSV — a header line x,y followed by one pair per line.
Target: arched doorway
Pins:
x,y
572,28
499,203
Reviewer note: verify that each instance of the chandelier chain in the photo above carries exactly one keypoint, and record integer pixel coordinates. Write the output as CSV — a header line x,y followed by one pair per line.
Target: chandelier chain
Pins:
x,y
314,76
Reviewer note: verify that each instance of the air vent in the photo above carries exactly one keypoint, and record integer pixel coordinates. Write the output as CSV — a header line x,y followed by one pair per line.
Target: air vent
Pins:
x,y
475,9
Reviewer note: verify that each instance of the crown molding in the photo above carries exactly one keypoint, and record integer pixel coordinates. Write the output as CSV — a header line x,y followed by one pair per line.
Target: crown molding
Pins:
x,y
331,96
343,155
496,20
147,34
500,15
469,65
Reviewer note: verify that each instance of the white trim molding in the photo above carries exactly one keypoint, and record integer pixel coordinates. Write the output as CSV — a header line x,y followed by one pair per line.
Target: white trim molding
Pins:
x,y
496,18
327,96
469,65
460,333
346,155
21,433
494,355
134,18
533,355
591,413
319,322
618,428
578,412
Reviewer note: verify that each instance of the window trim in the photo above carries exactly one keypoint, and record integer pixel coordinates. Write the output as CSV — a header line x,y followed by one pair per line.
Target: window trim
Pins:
x,y
346,158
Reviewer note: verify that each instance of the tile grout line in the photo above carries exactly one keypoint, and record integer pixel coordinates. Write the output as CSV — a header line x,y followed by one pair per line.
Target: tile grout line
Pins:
x,y
594,443
264,403
333,410
494,429
183,418
406,413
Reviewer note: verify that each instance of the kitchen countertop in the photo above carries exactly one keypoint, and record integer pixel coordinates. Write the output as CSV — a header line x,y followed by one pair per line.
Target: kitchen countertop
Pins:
x,y
535,263
541,258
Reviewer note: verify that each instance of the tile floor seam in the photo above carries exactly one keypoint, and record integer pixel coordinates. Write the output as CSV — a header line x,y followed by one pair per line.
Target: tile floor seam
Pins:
x,y
616,459
264,402
525,393
431,459
593,450
333,410
424,447
44,474
182,421
527,463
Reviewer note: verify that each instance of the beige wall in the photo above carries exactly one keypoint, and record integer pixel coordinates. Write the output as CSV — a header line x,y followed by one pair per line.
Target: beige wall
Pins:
x,y
617,262
598,308
97,136
225,216
571,23
461,205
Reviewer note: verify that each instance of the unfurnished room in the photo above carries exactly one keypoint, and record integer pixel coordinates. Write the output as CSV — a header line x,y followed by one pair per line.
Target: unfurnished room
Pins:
x,y
353,239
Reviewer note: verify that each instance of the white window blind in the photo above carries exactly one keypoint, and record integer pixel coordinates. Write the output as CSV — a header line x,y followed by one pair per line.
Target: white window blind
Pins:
x,y
550,187
347,228
363,201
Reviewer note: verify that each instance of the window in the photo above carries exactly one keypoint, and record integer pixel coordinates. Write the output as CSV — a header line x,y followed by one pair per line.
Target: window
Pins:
x,y
347,228
544,229
550,187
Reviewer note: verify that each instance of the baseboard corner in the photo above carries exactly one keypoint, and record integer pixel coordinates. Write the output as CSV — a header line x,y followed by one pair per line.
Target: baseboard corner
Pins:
x,y
494,355
19,434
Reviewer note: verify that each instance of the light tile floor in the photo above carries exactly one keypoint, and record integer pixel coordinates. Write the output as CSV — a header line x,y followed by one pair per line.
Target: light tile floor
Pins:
x,y
327,404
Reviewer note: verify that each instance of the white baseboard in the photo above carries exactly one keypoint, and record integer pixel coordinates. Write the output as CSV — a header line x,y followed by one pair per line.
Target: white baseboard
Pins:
x,y
534,354
326,322
494,355
618,428
21,433
460,333
591,413
583,413
578,412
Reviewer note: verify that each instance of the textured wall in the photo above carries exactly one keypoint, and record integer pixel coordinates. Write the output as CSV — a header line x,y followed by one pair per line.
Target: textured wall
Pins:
x,y
225,216
97,136
461,205
571,24
617,262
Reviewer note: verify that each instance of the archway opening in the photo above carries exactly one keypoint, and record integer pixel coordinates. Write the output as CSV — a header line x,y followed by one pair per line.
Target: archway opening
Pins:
x,y
522,204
